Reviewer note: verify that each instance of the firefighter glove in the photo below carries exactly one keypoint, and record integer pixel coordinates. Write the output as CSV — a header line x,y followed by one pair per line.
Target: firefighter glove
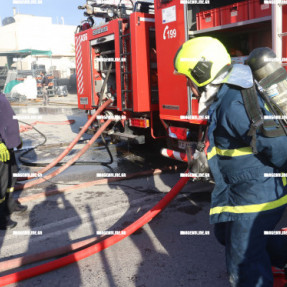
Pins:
x,y
4,153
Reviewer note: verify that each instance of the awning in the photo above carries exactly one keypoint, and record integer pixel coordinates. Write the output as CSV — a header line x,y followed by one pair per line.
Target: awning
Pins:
x,y
22,54
36,52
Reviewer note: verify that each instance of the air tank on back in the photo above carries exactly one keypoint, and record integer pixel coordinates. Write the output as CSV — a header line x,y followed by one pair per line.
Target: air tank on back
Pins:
x,y
270,74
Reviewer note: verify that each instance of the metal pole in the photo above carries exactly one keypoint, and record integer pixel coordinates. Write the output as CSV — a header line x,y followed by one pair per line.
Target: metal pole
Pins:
x,y
277,30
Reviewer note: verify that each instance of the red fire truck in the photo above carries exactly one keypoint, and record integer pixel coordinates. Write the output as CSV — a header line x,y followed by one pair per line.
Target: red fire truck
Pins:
x,y
129,58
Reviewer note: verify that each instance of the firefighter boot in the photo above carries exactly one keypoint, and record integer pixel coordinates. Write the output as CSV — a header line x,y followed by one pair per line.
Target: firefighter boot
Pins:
x,y
5,221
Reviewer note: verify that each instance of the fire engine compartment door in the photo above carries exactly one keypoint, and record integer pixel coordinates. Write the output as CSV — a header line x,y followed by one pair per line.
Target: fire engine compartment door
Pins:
x,y
140,24
102,56
174,97
83,70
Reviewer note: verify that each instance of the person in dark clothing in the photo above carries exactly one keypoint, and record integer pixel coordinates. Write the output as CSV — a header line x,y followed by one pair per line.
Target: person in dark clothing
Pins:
x,y
9,139
44,82
246,203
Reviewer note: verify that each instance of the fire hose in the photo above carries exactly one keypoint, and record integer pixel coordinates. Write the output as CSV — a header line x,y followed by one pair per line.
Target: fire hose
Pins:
x,y
27,162
90,183
68,149
29,127
23,260
69,163
73,143
79,255
20,261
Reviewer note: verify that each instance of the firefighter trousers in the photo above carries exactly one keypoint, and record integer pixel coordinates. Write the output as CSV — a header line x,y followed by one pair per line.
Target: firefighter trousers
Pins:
x,y
7,183
251,248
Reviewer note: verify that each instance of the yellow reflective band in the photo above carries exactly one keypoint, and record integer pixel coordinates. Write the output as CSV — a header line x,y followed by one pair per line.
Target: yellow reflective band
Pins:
x,y
2,200
11,189
284,180
212,153
250,208
266,107
229,152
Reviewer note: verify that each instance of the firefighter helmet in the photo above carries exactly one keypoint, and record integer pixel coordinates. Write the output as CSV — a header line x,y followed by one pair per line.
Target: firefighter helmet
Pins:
x,y
201,59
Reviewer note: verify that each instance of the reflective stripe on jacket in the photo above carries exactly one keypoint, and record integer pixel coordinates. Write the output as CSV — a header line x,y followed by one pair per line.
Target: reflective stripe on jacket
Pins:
x,y
245,183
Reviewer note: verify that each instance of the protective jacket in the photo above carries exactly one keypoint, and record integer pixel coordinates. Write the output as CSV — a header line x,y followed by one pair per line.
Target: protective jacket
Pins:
x,y
245,183
9,127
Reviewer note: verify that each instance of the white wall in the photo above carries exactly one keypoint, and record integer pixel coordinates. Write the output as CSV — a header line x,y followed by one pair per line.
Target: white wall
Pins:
x,y
32,32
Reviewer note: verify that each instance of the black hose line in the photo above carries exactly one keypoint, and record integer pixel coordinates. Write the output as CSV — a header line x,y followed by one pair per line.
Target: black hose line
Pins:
x,y
26,162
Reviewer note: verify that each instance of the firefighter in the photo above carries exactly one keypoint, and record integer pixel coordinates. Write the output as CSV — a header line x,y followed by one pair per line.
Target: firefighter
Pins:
x,y
248,200
9,139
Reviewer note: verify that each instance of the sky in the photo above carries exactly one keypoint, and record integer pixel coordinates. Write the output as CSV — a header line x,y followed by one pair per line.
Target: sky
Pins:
x,y
68,9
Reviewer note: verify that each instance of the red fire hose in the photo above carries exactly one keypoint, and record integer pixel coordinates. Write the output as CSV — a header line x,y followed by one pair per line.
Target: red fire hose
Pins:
x,y
25,128
92,183
72,144
79,255
69,163
20,261
23,260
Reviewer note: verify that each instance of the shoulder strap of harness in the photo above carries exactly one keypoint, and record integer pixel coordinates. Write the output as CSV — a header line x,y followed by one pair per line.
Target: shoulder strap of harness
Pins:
x,y
254,113
269,128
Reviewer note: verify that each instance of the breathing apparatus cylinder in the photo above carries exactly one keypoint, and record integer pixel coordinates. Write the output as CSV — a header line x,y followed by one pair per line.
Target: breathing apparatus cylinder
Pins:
x,y
270,75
